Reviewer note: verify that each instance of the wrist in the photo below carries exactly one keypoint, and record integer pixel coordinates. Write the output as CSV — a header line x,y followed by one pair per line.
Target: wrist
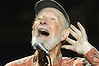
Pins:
x,y
87,48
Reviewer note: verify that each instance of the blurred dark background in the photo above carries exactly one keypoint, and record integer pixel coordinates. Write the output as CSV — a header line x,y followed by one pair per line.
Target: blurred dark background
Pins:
x,y
16,18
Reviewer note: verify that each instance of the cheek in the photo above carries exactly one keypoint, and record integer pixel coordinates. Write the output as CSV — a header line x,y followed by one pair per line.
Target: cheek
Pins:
x,y
34,31
35,26
56,30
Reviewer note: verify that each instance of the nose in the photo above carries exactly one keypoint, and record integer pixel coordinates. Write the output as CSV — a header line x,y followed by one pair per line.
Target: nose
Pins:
x,y
43,21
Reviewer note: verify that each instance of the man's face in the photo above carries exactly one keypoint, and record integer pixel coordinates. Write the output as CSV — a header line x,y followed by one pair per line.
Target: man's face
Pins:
x,y
48,27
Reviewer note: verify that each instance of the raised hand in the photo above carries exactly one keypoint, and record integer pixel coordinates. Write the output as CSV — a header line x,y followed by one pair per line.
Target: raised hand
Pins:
x,y
81,44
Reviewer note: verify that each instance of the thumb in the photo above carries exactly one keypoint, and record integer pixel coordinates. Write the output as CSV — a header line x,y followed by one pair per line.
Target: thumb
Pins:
x,y
69,47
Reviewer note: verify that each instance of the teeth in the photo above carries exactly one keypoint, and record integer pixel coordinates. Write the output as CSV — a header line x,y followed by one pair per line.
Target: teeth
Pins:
x,y
43,32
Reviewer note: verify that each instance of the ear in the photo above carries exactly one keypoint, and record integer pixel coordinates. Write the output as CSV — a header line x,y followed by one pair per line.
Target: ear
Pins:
x,y
65,34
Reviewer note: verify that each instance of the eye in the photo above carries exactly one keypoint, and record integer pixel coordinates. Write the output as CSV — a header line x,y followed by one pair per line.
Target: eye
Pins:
x,y
39,18
52,19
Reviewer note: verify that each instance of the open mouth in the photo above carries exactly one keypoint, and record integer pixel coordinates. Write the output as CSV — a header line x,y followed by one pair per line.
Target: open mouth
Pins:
x,y
43,32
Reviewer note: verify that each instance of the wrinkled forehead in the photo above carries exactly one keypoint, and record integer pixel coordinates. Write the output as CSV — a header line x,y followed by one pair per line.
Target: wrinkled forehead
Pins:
x,y
54,12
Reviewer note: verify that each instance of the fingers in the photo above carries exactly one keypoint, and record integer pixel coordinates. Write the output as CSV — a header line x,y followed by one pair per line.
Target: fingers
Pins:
x,y
73,33
78,34
77,31
81,28
71,41
69,47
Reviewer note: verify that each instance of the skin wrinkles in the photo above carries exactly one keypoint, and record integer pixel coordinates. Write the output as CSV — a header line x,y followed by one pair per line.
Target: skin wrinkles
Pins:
x,y
49,19
51,28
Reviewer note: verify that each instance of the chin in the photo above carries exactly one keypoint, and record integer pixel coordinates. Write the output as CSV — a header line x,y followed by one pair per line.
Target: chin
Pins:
x,y
48,41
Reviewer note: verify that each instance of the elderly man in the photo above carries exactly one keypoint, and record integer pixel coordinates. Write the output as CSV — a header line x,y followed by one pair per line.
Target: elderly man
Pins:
x,y
50,29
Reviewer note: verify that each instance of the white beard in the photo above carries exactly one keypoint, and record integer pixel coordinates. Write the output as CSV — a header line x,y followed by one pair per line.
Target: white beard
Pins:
x,y
48,44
